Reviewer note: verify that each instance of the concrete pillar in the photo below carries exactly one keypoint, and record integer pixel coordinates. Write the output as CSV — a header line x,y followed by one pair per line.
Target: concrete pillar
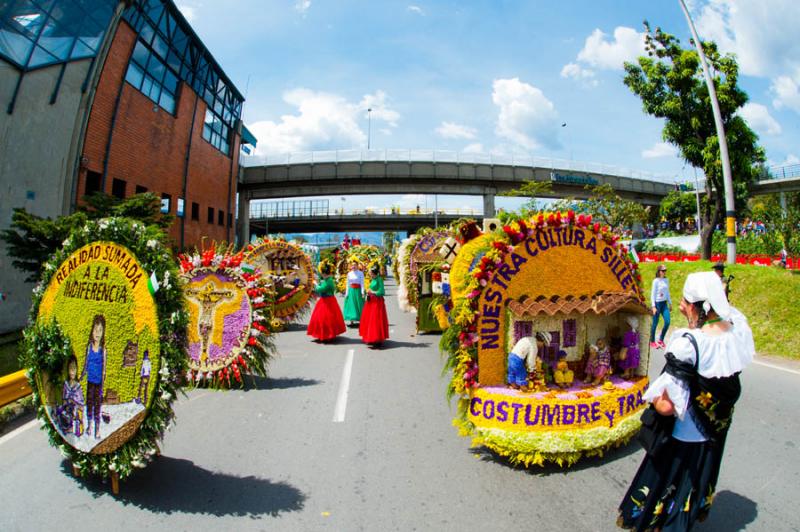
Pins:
x,y
244,220
783,202
488,204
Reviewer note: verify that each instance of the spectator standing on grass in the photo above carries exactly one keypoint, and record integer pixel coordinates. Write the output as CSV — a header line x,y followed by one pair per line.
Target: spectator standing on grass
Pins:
x,y
661,306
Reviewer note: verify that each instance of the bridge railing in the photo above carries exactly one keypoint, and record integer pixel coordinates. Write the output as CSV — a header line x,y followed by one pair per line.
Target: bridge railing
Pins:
x,y
444,156
781,172
262,211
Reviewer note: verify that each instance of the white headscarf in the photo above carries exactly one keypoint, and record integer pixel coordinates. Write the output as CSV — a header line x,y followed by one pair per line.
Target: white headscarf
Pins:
x,y
707,287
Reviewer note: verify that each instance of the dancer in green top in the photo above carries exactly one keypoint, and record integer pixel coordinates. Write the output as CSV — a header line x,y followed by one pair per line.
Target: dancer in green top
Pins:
x,y
374,328
326,321
354,302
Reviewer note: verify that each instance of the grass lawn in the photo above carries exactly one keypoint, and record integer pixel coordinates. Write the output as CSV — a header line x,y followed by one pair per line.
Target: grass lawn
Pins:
x,y
8,353
768,296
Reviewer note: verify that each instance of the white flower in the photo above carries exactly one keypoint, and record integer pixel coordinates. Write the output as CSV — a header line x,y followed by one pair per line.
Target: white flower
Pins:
x,y
165,280
137,462
66,242
103,224
112,466
166,395
152,244
164,371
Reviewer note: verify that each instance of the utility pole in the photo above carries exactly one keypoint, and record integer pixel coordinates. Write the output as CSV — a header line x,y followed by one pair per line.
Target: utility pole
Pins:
x,y
727,180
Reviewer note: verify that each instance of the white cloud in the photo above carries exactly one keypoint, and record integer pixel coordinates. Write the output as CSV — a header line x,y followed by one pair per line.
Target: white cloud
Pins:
x,y
659,150
323,121
526,118
380,111
758,117
787,93
411,201
599,52
450,130
188,11
385,131
416,9
475,147
763,35
302,6
584,75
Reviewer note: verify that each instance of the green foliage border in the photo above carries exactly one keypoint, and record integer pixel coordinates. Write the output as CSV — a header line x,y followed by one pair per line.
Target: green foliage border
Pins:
x,y
150,246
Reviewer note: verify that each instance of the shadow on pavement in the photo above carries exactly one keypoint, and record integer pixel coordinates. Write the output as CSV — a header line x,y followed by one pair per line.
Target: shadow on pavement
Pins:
x,y
586,462
255,382
392,344
730,511
173,485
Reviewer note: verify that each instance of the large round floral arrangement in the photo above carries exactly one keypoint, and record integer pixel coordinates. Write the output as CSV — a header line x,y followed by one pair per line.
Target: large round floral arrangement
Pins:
x,y
104,349
288,271
229,329
549,425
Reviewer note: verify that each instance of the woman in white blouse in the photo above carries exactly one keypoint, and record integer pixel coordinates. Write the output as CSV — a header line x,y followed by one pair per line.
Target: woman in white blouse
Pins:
x,y
698,388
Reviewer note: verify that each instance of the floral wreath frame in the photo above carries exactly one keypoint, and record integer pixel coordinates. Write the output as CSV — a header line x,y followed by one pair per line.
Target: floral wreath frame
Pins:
x,y
150,247
258,348
297,312
460,345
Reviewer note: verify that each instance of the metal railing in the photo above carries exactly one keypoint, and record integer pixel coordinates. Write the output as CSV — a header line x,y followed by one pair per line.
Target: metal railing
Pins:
x,y
781,172
444,156
258,213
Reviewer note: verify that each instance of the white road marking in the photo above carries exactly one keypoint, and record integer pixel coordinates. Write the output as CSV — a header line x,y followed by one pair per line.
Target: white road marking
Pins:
x,y
773,366
344,388
19,430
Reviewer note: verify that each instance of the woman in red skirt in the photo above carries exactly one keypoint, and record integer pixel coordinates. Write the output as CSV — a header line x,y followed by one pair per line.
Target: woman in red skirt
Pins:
x,y
374,328
326,321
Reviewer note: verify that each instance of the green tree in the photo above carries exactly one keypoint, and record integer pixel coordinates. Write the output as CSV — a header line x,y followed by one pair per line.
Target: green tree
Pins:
x,y
531,190
678,205
608,207
388,240
32,239
670,83
784,222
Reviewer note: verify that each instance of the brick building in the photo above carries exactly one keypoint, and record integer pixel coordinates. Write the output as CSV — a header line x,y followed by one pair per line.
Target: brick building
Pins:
x,y
119,97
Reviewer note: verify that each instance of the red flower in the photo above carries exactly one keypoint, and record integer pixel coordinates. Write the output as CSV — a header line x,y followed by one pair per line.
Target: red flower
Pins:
x,y
571,216
540,220
551,219
523,228
596,228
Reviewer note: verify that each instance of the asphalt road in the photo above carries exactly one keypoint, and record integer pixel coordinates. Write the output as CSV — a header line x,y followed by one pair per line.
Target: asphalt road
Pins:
x,y
272,457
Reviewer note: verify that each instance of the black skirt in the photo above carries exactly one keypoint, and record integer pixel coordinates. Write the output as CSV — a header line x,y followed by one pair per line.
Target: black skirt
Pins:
x,y
674,490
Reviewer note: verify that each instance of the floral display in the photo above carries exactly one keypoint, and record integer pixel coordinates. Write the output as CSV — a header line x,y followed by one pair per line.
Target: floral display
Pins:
x,y
403,274
289,273
541,270
104,350
229,306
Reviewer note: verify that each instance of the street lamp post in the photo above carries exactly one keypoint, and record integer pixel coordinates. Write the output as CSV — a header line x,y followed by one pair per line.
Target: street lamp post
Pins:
x,y
727,181
369,127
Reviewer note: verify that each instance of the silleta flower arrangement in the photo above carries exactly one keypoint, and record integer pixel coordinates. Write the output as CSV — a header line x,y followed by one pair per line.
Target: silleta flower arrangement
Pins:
x,y
105,346
288,272
505,266
229,331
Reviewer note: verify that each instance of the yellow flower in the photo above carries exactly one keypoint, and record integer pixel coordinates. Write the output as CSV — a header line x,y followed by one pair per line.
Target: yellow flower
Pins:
x,y
705,399
659,508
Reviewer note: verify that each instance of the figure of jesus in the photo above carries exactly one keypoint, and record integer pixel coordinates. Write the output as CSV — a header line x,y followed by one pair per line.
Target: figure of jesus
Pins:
x,y
209,298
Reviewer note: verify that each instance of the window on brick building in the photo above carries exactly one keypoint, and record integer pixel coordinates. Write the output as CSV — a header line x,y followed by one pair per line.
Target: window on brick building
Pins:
x,y
151,76
166,203
92,182
164,34
195,211
220,217
140,189
118,188
211,215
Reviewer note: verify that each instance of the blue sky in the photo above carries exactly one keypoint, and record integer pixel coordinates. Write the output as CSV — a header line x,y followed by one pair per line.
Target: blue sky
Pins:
x,y
490,77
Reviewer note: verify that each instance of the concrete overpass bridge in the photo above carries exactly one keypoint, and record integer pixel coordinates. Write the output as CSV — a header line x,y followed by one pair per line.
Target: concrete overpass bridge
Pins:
x,y
353,172
429,172
355,221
